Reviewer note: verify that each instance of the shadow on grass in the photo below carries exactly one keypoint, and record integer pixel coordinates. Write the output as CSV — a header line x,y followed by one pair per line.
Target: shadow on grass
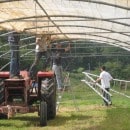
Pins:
x,y
34,121
20,121
62,120
115,119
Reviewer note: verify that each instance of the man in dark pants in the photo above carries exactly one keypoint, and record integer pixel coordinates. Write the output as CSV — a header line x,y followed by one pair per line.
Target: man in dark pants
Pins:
x,y
13,39
57,50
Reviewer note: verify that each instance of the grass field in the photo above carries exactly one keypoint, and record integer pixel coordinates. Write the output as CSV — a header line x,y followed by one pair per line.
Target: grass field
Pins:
x,y
80,109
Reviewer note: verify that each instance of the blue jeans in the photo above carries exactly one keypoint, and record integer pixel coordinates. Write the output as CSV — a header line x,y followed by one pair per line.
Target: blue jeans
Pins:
x,y
58,72
14,62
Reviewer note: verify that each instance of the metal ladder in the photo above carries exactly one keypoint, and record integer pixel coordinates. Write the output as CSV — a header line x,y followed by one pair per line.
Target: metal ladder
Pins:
x,y
96,87
60,94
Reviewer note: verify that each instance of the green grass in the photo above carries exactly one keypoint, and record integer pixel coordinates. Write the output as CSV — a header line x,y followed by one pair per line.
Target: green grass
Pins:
x,y
90,116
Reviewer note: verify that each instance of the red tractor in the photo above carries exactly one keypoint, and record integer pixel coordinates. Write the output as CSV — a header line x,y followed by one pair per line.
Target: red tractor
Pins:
x,y
20,95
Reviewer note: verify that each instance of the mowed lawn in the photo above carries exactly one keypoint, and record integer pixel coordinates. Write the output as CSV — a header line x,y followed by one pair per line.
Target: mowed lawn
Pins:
x,y
80,109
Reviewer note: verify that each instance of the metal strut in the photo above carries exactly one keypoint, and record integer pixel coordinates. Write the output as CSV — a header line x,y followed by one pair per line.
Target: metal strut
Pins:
x,y
60,94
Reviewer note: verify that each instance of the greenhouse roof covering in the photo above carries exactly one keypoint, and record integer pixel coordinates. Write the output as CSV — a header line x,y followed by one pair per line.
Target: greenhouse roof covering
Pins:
x,y
104,21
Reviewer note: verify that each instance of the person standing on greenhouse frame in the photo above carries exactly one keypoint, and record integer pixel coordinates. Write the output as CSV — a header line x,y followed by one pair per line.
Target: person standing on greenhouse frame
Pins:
x,y
57,51
42,45
13,40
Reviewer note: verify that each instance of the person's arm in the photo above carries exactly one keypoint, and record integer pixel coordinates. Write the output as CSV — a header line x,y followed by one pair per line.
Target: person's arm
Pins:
x,y
67,48
48,41
98,79
110,77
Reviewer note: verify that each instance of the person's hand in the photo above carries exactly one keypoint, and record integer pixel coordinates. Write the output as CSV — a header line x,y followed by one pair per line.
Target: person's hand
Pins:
x,y
94,82
67,48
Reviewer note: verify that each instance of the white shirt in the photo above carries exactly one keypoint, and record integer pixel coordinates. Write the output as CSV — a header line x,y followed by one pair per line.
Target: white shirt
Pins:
x,y
105,79
41,44
41,48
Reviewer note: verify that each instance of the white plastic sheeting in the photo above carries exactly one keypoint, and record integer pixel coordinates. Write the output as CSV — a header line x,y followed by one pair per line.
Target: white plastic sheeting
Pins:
x,y
107,21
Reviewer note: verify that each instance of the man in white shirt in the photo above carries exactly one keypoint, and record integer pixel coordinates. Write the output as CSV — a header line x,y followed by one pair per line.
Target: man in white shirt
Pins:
x,y
42,43
105,79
